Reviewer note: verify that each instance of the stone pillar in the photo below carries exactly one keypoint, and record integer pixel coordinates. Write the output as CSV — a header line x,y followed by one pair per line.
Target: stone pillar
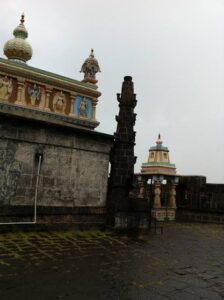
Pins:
x,y
47,99
20,93
72,101
157,192
172,198
42,99
94,103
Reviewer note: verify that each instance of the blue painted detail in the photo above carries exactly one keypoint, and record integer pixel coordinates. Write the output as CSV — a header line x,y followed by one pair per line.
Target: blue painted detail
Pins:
x,y
83,107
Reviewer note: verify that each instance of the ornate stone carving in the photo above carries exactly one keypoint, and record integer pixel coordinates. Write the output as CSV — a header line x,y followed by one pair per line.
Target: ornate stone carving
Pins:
x,y
90,67
59,102
6,87
34,93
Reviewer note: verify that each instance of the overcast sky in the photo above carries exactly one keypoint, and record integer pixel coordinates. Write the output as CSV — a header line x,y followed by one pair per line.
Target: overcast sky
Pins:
x,y
173,49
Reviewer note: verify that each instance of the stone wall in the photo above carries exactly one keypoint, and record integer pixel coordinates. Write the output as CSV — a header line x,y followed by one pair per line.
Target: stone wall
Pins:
x,y
74,170
200,201
194,193
192,215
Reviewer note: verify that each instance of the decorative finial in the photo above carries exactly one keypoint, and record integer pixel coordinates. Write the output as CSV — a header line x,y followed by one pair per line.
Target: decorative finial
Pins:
x,y
18,49
90,68
22,20
159,141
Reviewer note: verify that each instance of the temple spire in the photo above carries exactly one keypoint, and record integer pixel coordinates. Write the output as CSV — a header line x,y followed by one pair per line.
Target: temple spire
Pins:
x,y
159,141
22,20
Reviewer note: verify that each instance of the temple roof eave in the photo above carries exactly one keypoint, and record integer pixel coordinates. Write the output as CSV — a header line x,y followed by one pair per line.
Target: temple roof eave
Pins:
x,y
159,171
25,112
160,148
158,168
162,164
151,174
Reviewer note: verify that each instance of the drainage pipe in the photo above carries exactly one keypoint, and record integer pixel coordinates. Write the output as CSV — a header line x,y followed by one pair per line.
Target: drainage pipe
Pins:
x,y
40,156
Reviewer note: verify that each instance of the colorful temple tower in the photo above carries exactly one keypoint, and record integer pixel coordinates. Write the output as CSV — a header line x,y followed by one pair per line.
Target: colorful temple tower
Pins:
x,y
158,171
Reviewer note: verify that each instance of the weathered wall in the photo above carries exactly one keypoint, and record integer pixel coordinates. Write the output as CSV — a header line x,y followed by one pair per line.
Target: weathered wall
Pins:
x,y
200,201
196,215
74,170
193,192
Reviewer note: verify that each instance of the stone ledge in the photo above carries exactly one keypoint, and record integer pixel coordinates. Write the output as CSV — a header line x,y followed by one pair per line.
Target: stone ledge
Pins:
x,y
27,211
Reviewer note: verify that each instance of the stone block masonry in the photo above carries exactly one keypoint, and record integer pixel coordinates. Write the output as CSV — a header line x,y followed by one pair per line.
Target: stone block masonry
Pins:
x,y
74,170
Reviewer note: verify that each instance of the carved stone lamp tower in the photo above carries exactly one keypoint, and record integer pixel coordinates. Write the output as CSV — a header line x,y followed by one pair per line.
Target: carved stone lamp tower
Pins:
x,y
122,158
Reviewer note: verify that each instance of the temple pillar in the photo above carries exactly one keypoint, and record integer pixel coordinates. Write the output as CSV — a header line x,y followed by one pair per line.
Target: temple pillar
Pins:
x,y
47,99
72,101
157,193
20,93
94,103
42,99
172,197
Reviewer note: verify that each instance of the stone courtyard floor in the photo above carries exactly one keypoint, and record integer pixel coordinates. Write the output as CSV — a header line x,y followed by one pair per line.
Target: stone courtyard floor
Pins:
x,y
186,262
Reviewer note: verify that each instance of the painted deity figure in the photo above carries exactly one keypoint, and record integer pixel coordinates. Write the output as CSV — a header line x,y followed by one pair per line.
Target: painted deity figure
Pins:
x,y
59,102
6,88
83,108
35,94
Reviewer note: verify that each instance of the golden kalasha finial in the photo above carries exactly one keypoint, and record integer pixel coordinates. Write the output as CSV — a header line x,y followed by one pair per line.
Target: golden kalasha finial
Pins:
x,y
22,20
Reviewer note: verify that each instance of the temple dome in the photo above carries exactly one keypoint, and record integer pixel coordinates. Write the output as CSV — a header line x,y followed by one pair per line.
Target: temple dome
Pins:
x,y
18,48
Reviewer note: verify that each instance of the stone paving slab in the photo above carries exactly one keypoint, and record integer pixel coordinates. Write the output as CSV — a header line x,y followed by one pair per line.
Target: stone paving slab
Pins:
x,y
186,262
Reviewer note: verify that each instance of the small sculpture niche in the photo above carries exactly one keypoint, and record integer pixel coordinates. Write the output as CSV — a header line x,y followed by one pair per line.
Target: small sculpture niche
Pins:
x,y
83,108
6,88
34,93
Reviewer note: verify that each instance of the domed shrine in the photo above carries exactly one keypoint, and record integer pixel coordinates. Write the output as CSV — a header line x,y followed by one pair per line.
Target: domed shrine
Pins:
x,y
159,175
158,160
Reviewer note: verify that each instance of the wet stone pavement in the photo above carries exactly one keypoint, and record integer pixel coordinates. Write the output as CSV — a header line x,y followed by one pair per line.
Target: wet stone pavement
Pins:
x,y
186,262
